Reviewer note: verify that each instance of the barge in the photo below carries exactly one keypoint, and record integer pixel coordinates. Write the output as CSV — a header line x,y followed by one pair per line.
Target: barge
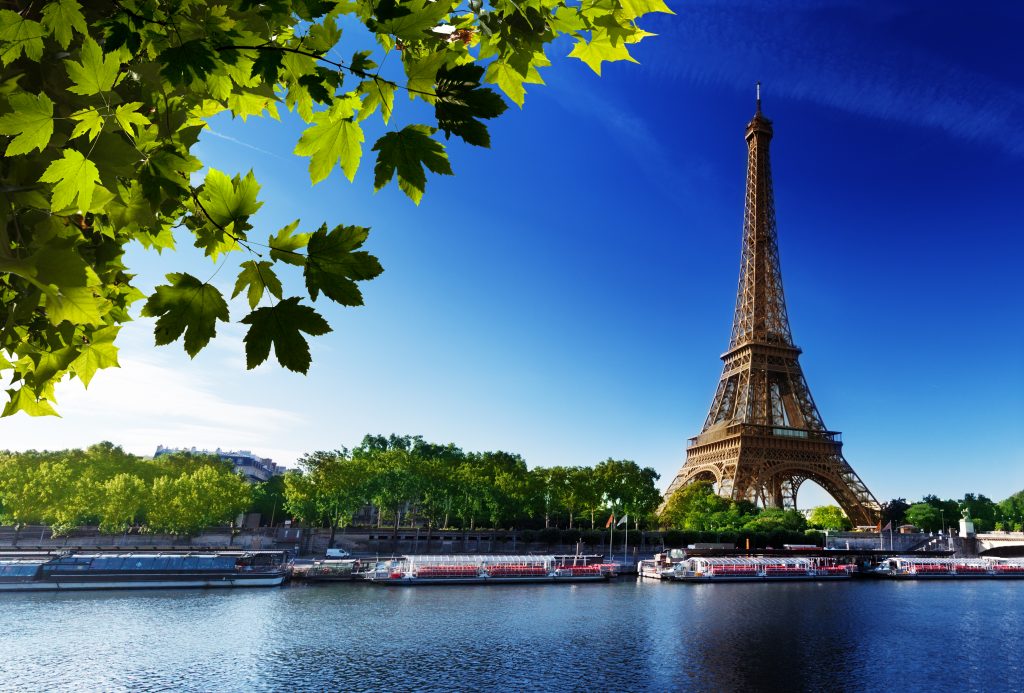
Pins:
x,y
915,568
758,569
90,571
482,570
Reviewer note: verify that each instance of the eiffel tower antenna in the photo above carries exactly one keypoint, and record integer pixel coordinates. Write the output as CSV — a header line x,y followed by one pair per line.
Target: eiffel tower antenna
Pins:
x,y
763,436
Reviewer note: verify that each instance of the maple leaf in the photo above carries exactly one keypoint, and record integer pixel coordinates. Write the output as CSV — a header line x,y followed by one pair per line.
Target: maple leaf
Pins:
x,y
61,17
31,122
228,200
334,138
408,151
96,73
284,245
422,73
187,306
461,100
24,399
89,121
600,49
76,304
75,177
180,63
333,267
127,115
282,326
99,353
257,276
19,35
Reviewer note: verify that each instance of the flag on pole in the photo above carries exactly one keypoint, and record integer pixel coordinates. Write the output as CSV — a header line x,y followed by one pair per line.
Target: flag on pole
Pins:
x,y
625,518
888,527
611,519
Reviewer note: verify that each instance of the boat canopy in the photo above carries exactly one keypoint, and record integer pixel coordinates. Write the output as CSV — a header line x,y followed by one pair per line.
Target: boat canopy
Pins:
x,y
144,562
10,569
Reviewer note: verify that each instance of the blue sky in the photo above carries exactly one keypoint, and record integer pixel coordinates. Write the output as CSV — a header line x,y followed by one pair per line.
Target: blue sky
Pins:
x,y
568,293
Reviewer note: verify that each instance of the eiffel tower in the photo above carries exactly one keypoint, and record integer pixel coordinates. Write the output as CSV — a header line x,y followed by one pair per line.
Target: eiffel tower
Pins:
x,y
764,436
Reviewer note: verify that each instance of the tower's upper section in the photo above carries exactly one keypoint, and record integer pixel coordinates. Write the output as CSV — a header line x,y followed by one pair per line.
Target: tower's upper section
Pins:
x,y
760,315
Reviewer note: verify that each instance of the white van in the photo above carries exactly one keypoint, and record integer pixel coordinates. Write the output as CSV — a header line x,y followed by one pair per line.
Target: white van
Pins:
x,y
337,553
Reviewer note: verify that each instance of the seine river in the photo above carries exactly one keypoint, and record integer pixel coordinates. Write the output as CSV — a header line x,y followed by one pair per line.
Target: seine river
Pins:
x,y
624,636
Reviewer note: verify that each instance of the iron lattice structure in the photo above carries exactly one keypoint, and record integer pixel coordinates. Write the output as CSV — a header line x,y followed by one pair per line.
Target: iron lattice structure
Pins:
x,y
763,436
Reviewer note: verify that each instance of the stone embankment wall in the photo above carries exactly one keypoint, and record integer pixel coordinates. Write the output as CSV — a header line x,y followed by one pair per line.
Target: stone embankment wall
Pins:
x,y
305,541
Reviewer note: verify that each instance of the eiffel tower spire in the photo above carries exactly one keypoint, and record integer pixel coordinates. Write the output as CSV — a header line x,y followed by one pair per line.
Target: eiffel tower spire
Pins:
x,y
763,436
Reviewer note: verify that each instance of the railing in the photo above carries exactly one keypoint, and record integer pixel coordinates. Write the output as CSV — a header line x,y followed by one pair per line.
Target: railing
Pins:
x,y
759,430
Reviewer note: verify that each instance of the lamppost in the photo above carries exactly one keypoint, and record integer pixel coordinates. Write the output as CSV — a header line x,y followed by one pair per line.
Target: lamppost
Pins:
x,y
942,514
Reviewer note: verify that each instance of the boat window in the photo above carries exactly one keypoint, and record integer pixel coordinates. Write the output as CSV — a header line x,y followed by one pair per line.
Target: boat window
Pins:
x,y
174,563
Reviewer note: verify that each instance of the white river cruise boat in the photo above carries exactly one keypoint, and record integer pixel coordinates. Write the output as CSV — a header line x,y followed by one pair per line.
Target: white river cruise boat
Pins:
x,y
758,569
484,569
920,568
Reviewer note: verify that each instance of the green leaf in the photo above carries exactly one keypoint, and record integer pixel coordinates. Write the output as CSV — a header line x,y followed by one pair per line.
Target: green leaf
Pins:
x,y
421,74
75,177
191,60
598,50
637,8
99,353
267,65
186,305
127,115
282,327
333,267
284,246
227,200
257,276
25,400
76,304
461,100
419,16
96,73
31,122
568,20
89,121
61,17
508,79
408,151
334,138
19,35
379,94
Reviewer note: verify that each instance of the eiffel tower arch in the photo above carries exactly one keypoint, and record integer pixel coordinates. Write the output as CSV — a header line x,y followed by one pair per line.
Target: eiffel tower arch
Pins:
x,y
763,436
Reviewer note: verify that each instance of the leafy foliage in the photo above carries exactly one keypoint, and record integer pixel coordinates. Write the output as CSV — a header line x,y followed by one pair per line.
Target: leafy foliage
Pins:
x,y
102,105
103,485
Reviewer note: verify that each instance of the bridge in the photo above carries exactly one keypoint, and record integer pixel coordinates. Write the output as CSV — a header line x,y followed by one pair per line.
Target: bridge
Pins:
x,y
1001,544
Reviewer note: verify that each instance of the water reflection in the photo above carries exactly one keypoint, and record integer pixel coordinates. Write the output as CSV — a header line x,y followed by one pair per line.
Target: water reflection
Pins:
x,y
624,636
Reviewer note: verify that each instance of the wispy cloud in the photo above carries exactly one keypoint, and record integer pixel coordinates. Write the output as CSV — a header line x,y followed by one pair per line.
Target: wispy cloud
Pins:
x,y
153,400
213,133
842,55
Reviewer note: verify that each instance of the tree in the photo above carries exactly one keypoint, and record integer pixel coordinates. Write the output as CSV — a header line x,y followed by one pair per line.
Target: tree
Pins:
x,y
830,517
692,508
982,509
340,486
924,516
628,488
105,101
894,510
123,499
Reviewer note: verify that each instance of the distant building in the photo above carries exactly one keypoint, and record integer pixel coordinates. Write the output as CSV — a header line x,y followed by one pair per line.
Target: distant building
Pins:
x,y
255,469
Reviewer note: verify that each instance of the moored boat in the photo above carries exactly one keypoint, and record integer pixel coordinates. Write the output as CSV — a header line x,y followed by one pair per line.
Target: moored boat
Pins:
x,y
662,566
921,568
478,570
758,569
84,571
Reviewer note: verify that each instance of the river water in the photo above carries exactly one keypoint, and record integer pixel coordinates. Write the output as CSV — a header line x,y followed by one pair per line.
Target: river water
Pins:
x,y
623,636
